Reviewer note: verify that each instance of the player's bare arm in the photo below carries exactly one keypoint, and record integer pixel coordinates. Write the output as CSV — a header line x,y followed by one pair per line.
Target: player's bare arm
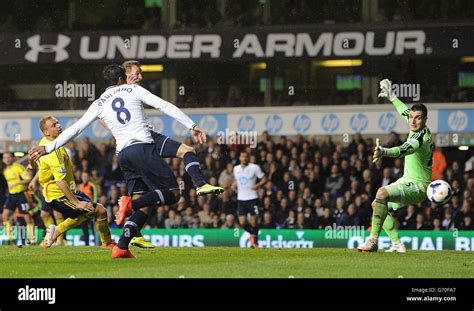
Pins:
x,y
82,205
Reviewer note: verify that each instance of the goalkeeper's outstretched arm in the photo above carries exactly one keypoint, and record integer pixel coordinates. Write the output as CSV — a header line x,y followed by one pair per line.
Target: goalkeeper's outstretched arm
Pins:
x,y
386,91
407,148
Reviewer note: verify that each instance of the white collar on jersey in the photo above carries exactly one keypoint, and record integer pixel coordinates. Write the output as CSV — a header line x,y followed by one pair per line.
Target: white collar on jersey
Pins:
x,y
111,87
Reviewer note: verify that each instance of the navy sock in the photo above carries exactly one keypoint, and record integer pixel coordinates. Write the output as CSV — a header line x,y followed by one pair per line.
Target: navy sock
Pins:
x,y
248,228
193,168
154,198
131,228
254,230
149,199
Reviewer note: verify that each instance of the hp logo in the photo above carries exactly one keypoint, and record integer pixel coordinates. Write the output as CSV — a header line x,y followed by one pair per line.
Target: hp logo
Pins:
x,y
301,123
458,120
330,123
246,123
273,124
387,122
359,122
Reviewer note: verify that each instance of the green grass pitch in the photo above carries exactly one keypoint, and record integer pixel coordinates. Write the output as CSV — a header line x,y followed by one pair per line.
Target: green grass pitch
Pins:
x,y
231,262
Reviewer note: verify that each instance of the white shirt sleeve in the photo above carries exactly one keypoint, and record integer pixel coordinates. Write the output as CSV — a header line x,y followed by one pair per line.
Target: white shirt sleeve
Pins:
x,y
258,172
71,132
168,108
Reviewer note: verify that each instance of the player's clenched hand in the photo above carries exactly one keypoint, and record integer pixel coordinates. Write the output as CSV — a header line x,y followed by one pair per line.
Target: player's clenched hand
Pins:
x,y
386,89
132,79
379,151
199,135
35,153
85,206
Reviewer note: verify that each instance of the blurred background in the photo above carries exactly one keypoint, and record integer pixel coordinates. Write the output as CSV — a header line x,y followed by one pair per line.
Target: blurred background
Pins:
x,y
307,73
444,69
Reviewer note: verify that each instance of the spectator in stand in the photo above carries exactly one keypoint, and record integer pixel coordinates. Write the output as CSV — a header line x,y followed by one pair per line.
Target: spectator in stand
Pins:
x,y
112,170
386,178
407,218
334,182
350,218
327,220
226,177
229,222
460,214
437,224
467,223
290,222
448,222
205,216
268,221
170,222
421,224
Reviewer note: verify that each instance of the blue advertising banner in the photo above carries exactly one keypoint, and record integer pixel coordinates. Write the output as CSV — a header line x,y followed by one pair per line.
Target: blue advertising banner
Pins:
x,y
212,123
456,121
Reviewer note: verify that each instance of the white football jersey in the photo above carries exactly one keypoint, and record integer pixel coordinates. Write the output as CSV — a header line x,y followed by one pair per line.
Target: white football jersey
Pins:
x,y
246,177
121,108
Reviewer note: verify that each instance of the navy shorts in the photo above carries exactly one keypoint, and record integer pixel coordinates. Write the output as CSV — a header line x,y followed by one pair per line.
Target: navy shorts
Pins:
x,y
247,207
168,147
145,170
67,208
45,206
19,202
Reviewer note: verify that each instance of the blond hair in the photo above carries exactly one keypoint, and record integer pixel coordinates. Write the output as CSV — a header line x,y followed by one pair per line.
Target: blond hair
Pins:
x,y
130,63
43,120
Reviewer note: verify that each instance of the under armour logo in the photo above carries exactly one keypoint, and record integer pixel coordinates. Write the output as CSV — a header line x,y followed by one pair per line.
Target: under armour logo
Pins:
x,y
58,48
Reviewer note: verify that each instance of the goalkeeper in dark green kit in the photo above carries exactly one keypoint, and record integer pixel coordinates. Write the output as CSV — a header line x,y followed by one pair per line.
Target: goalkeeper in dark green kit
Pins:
x,y
409,189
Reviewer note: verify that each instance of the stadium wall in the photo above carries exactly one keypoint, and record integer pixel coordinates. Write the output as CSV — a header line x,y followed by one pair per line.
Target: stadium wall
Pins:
x,y
447,118
286,238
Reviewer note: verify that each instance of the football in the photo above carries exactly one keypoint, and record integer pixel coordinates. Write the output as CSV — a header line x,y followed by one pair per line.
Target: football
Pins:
x,y
439,191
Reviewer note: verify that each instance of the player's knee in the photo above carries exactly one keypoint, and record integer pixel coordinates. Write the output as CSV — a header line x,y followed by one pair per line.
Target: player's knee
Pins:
x,y
58,215
382,194
5,215
145,210
183,149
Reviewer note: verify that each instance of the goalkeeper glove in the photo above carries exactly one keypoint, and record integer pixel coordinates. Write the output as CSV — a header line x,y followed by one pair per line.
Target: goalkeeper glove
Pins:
x,y
379,151
386,90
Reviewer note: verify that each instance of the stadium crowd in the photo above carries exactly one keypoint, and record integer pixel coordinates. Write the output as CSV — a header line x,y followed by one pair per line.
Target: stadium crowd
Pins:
x,y
311,185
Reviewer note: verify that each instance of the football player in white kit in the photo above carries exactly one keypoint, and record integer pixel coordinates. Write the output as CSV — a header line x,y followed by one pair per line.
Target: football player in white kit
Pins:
x,y
246,175
169,148
150,180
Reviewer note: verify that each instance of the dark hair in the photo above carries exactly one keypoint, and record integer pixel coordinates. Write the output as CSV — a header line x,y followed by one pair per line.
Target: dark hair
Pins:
x,y
420,107
112,73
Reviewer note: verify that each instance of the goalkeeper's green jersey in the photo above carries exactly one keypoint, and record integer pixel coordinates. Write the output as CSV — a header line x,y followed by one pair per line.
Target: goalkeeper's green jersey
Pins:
x,y
417,150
